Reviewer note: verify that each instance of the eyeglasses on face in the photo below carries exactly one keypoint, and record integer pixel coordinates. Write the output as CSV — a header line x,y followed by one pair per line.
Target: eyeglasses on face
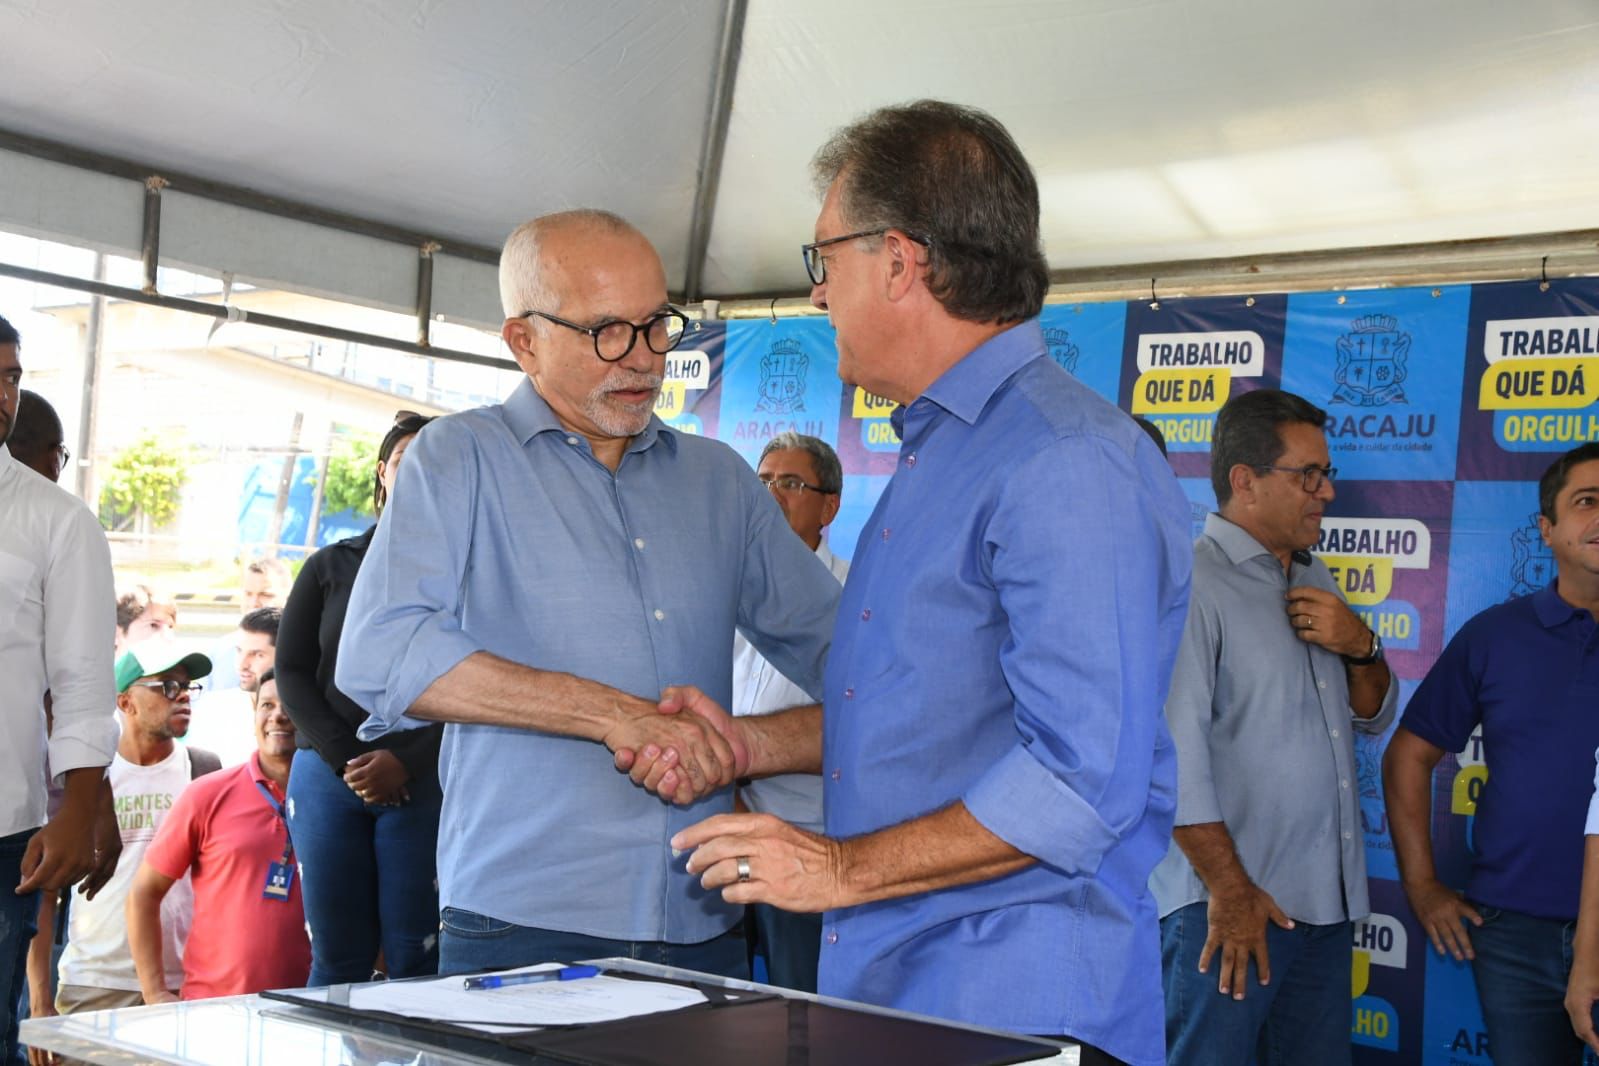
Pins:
x,y
662,332
1312,475
64,455
788,484
172,688
816,262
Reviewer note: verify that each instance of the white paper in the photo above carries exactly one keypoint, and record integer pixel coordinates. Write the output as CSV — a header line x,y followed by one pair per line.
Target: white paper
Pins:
x,y
497,1010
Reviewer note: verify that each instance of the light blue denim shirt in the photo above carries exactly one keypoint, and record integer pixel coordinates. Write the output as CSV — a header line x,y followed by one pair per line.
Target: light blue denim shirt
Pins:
x,y
1005,638
506,535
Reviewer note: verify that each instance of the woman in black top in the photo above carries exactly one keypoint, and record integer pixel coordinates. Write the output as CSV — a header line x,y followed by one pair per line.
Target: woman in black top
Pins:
x,y
364,816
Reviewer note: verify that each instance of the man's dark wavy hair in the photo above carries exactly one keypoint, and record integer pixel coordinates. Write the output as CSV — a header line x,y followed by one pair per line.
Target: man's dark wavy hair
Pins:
x,y
952,176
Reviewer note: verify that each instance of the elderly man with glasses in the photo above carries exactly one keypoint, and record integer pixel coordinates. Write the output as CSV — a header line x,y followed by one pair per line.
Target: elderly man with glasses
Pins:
x,y
1267,867
546,569
994,762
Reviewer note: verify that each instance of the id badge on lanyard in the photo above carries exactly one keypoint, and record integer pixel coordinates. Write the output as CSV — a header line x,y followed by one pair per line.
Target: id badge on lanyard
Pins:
x,y
280,874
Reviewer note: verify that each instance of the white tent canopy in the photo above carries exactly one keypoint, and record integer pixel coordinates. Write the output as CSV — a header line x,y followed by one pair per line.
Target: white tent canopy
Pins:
x,y
1160,130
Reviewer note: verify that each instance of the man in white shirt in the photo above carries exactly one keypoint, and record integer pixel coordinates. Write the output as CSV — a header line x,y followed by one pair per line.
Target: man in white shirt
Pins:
x,y
57,599
224,721
804,476
154,683
265,583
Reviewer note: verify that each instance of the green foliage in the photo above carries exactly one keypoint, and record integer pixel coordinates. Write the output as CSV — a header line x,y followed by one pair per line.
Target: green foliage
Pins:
x,y
350,468
146,478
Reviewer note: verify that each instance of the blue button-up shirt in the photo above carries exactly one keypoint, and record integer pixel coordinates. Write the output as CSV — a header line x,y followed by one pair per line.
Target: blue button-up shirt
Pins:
x,y
1005,639
506,535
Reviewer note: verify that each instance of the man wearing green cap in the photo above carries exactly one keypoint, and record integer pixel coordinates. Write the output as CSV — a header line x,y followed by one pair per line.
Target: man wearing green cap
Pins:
x,y
154,680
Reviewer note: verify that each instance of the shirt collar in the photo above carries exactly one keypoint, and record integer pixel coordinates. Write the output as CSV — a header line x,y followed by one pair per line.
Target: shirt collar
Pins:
x,y
1233,539
824,553
965,388
528,414
256,773
1551,610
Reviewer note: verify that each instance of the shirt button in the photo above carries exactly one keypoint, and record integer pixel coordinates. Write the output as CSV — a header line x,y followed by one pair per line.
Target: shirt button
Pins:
x,y
866,615
837,774
1347,834
1321,684
832,936
849,693
571,440
660,615
638,542
885,532
1344,783
1335,734
910,460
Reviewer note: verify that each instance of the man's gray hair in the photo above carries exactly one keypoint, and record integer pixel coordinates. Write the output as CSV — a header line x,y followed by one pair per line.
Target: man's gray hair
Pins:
x,y
829,472
522,283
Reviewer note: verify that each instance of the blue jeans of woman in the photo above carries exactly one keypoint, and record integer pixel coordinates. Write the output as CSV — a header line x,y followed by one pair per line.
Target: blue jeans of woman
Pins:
x,y
369,877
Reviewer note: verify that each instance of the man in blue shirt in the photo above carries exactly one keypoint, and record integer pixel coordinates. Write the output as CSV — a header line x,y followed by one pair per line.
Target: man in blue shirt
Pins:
x,y
548,566
998,780
1527,672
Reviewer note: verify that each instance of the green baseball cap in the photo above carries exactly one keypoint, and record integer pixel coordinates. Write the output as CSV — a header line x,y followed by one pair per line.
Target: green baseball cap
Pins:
x,y
157,655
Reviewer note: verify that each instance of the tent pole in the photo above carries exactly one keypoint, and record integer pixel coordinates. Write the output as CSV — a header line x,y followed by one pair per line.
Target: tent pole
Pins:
x,y
718,117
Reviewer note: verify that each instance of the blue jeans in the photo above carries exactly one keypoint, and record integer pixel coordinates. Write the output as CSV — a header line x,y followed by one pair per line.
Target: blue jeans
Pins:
x,y
1300,1019
1521,968
18,923
368,875
470,942
791,944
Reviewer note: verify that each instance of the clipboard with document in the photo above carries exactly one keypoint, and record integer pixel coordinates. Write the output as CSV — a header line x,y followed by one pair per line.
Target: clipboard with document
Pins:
x,y
621,1018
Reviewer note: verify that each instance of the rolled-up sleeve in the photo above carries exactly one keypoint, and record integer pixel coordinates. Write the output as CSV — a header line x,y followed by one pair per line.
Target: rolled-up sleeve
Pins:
x,y
1384,717
403,629
80,627
1081,524
788,598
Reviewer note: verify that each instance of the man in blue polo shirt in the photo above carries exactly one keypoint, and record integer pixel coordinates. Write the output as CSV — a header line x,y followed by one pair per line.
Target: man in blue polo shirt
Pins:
x,y
1527,671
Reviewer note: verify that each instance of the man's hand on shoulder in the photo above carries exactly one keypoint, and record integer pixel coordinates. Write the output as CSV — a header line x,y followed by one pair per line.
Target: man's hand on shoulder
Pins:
x,y
1237,918
1322,617
680,757
1441,911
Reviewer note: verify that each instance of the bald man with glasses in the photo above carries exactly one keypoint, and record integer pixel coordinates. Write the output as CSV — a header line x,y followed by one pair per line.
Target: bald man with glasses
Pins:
x,y
547,567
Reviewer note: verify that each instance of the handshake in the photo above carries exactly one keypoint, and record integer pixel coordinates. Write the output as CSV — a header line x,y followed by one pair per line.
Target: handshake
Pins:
x,y
682,748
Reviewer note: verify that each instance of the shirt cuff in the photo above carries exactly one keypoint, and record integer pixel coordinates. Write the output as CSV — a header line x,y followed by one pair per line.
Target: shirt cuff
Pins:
x,y
430,657
79,748
1020,801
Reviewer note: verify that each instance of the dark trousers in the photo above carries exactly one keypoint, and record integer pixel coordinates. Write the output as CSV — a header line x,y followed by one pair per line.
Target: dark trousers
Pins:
x,y
369,876
18,922
1521,967
471,942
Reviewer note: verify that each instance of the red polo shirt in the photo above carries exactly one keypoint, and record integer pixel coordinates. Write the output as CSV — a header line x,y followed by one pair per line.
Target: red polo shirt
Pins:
x,y
223,832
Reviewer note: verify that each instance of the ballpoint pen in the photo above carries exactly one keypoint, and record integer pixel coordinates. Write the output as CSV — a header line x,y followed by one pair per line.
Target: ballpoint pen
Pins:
x,y
565,973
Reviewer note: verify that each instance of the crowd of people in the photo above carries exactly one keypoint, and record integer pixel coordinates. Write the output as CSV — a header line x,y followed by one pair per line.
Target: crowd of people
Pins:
x,y
1032,760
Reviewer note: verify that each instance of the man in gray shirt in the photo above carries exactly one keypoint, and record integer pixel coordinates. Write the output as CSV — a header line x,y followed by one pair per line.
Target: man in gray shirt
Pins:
x,y
1266,864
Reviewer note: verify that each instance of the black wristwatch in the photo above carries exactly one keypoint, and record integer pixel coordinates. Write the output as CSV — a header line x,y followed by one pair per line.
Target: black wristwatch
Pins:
x,y
1371,656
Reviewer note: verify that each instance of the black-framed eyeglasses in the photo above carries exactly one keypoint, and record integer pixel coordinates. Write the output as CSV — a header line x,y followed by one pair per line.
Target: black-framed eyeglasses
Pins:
x,y
1312,475
63,454
816,262
171,687
663,332
788,483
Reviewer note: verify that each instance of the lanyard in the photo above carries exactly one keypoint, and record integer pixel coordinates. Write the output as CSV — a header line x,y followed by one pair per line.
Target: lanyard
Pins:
x,y
277,809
